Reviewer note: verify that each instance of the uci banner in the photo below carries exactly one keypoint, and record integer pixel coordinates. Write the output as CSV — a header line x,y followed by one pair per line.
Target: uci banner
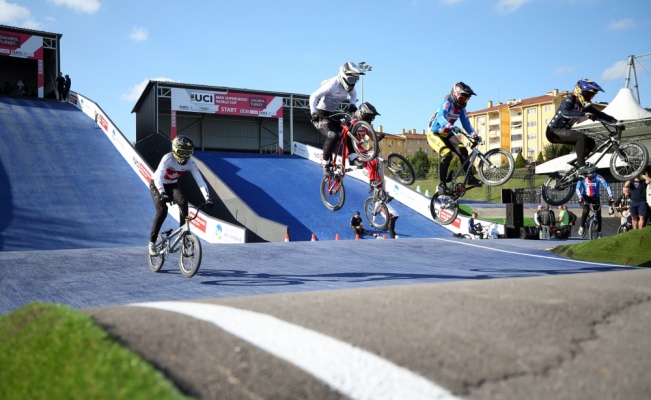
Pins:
x,y
22,45
227,103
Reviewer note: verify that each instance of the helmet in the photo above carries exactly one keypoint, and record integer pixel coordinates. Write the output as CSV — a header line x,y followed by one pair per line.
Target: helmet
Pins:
x,y
460,94
366,112
182,148
349,74
585,90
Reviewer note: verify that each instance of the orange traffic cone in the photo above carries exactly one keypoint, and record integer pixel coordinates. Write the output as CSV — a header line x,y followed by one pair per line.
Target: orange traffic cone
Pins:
x,y
337,236
313,238
357,236
384,236
287,237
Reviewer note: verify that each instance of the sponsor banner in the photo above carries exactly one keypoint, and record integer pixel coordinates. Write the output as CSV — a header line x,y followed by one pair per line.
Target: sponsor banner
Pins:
x,y
227,103
280,136
206,227
23,45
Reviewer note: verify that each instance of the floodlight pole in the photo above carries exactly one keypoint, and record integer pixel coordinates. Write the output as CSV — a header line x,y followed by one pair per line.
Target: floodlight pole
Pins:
x,y
365,68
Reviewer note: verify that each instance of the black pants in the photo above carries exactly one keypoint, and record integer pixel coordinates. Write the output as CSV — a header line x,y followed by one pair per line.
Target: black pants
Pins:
x,y
452,143
586,210
161,208
392,227
331,129
583,143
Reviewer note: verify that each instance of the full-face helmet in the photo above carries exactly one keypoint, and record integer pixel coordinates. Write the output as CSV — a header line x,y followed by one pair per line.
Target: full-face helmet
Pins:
x,y
349,74
366,112
460,94
182,148
585,90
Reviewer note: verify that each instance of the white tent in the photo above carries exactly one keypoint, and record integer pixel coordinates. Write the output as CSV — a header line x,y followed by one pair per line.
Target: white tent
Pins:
x,y
624,108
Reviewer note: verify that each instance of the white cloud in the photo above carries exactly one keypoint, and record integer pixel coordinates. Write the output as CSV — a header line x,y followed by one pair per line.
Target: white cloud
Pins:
x,y
564,70
139,34
509,6
621,24
85,6
615,71
136,90
13,14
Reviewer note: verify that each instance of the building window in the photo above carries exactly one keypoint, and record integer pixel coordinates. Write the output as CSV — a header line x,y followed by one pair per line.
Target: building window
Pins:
x,y
531,124
531,111
516,137
516,150
547,108
531,136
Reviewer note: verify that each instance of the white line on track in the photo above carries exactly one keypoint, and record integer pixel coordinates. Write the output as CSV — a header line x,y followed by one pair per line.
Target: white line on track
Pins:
x,y
558,258
352,371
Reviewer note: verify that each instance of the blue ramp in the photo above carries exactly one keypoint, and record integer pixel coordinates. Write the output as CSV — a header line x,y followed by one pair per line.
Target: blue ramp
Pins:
x,y
63,185
285,189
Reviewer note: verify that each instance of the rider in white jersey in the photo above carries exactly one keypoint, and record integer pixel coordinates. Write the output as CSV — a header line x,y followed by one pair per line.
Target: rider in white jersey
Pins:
x,y
173,166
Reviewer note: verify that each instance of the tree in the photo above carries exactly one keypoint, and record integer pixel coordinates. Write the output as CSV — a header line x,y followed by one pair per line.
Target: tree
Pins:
x,y
421,163
540,157
519,160
552,151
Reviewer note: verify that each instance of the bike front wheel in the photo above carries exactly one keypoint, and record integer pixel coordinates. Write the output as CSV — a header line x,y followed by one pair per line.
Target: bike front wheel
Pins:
x,y
156,262
557,190
364,140
400,169
632,163
190,255
377,213
496,167
592,229
623,228
444,208
333,193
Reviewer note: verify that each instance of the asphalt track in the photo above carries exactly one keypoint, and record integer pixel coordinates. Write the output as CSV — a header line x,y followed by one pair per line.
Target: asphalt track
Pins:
x,y
407,318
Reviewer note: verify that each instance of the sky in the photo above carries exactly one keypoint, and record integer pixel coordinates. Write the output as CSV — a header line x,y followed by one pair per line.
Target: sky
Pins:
x,y
503,49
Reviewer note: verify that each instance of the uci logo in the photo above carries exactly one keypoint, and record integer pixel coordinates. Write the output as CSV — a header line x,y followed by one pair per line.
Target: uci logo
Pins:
x,y
201,98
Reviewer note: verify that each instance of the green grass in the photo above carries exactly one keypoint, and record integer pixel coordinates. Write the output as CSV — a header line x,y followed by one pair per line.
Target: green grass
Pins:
x,y
630,248
53,352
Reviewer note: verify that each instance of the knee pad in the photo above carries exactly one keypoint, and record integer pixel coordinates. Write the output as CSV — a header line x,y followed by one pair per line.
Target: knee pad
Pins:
x,y
446,156
332,135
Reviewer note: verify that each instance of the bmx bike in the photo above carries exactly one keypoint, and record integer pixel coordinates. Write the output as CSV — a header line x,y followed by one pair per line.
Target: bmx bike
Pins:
x,y
628,161
495,167
180,240
591,224
365,144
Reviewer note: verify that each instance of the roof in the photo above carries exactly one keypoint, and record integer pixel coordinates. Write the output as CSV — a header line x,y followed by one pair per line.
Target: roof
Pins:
x,y
30,31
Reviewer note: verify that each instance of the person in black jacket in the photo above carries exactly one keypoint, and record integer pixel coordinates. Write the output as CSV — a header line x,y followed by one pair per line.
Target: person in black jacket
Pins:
x,y
357,225
575,106
61,84
66,88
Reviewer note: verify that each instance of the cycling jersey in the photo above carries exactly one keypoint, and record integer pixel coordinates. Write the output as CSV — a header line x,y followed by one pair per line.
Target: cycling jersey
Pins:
x,y
589,187
571,110
169,171
330,95
446,115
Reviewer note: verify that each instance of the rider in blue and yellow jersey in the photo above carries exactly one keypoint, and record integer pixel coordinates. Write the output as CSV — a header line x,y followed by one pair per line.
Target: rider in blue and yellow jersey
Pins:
x,y
442,134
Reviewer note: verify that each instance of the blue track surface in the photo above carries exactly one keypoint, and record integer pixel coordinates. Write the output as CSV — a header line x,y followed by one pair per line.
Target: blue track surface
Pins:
x,y
63,183
286,188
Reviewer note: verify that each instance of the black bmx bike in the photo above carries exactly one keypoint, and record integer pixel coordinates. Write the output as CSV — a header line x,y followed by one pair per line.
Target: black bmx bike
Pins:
x,y
184,242
495,167
627,161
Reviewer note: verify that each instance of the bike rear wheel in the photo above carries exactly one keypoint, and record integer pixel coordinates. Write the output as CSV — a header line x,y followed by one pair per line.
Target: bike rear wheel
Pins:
x,y
377,213
364,140
465,236
557,190
190,255
156,262
633,163
498,169
444,208
623,228
333,193
399,168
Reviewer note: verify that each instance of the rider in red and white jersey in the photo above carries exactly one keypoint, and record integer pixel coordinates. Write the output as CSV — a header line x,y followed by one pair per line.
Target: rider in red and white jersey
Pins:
x,y
164,183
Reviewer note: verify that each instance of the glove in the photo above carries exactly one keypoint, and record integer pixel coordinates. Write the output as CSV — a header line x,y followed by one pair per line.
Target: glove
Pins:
x,y
581,201
477,138
352,108
590,115
620,125
165,198
611,200
456,130
315,118
209,203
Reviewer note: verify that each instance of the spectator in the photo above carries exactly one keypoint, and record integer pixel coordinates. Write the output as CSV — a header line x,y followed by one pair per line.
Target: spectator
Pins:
x,y
587,190
66,88
623,205
564,220
536,220
547,219
639,206
21,88
61,84
393,216
475,228
357,225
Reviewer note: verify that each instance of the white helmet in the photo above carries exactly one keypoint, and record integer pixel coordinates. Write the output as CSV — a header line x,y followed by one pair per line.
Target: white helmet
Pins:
x,y
349,74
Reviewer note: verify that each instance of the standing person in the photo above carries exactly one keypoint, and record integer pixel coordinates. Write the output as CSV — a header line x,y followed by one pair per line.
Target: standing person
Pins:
x,y
164,185
393,217
21,88
442,136
324,103
357,225
66,88
639,206
546,219
564,220
61,85
575,106
623,205
587,190
536,215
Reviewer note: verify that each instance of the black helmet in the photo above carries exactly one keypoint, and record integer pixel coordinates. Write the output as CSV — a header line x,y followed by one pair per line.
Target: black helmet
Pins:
x,y
182,148
366,112
460,94
349,74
